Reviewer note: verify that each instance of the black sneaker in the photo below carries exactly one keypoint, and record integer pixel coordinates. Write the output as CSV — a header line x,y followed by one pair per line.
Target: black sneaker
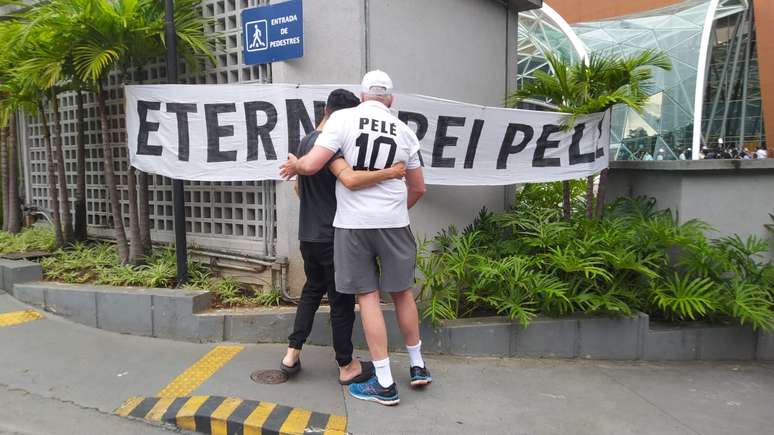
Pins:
x,y
420,376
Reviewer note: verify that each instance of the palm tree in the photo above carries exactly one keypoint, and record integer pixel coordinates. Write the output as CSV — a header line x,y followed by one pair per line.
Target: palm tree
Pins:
x,y
594,86
19,91
65,18
194,46
14,207
4,174
44,44
125,35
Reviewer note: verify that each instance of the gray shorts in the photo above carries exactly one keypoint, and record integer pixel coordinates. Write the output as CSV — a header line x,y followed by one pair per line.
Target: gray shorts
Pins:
x,y
355,255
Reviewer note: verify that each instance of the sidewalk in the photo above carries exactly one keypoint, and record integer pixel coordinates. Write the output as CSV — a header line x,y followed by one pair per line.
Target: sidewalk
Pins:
x,y
53,358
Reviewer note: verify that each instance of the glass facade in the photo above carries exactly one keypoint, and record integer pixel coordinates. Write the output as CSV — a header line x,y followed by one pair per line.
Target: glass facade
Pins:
x,y
732,104
665,128
539,33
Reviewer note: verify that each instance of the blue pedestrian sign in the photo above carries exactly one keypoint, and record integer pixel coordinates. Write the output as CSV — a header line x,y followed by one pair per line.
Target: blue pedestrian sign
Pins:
x,y
273,32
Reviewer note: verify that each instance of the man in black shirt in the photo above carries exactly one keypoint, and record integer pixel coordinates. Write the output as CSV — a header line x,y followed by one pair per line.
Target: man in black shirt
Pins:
x,y
315,232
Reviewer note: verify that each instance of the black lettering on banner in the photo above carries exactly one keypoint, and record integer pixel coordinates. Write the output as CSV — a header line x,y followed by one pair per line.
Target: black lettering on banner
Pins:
x,y
507,148
417,118
575,154
216,131
442,140
421,122
475,134
539,160
260,133
600,151
182,110
297,117
146,127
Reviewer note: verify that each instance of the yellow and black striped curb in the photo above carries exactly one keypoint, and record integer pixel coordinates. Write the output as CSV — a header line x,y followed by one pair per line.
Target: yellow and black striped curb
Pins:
x,y
232,416
19,317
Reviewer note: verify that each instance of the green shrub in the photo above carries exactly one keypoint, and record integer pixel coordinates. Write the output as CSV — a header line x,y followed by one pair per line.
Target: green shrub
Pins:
x,y
99,264
528,261
271,298
36,238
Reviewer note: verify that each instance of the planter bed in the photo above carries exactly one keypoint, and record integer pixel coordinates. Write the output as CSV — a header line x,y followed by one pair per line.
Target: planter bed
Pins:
x,y
185,315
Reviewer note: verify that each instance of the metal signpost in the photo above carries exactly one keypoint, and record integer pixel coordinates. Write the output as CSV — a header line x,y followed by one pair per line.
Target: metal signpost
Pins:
x,y
181,245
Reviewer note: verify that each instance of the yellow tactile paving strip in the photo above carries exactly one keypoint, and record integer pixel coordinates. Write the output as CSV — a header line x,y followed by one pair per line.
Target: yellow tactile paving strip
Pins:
x,y
230,415
18,317
185,383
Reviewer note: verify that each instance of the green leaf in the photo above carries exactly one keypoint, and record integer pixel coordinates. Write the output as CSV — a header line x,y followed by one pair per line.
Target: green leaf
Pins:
x,y
686,298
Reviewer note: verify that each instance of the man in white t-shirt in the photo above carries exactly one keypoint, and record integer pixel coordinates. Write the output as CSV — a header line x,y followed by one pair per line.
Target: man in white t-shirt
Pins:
x,y
374,248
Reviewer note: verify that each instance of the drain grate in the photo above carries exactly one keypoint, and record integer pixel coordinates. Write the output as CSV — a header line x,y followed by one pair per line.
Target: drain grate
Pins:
x,y
269,376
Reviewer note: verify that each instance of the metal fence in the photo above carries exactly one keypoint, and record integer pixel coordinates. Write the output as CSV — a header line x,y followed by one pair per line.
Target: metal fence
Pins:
x,y
231,216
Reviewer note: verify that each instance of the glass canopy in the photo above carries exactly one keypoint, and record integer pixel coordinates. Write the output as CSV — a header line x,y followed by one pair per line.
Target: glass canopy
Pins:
x,y
727,83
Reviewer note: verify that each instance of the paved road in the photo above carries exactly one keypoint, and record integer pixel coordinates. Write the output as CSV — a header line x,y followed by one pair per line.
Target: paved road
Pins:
x,y
23,413
58,377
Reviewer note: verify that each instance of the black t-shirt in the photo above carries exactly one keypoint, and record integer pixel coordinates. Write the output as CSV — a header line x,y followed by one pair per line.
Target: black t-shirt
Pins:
x,y
318,199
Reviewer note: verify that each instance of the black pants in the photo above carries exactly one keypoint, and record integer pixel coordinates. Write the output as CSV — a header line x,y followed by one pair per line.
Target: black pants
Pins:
x,y
318,267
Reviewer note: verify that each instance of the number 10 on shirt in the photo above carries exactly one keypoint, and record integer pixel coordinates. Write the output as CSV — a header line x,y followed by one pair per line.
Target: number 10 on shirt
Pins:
x,y
362,146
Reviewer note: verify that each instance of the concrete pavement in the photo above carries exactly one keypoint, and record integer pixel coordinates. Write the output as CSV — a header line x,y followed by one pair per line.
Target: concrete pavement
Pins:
x,y
50,365
23,413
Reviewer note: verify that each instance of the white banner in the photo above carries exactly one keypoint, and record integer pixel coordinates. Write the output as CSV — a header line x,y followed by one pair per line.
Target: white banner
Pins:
x,y
243,132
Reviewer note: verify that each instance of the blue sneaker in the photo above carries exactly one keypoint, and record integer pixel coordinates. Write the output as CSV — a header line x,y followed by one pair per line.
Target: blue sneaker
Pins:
x,y
420,376
372,391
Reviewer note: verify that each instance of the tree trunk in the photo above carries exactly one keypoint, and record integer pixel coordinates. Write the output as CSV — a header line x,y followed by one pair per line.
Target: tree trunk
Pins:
x,y
144,211
64,193
601,192
110,179
4,138
135,242
590,197
14,208
53,195
80,232
566,206
144,193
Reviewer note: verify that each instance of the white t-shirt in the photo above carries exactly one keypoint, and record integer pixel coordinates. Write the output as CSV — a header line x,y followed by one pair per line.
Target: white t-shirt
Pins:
x,y
762,154
370,137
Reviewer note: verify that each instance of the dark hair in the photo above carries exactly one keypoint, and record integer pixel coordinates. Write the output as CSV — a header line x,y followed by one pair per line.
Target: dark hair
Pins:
x,y
341,99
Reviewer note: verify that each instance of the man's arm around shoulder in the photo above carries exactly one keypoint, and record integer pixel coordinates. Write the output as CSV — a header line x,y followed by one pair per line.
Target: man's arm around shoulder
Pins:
x,y
354,180
309,164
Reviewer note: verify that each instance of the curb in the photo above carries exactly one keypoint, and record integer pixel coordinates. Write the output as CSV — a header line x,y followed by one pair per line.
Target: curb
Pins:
x,y
161,313
180,315
221,415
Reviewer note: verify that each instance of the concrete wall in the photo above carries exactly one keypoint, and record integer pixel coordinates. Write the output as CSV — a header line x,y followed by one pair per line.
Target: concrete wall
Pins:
x,y
733,196
334,53
453,49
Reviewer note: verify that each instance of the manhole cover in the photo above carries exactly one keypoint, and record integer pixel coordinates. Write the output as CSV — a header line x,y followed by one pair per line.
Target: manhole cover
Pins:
x,y
269,376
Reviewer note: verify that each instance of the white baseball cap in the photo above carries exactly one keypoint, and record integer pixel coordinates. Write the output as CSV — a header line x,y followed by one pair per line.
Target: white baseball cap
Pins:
x,y
376,82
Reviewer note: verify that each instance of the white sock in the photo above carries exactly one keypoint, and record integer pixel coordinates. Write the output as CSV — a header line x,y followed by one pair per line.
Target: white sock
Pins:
x,y
383,373
415,355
